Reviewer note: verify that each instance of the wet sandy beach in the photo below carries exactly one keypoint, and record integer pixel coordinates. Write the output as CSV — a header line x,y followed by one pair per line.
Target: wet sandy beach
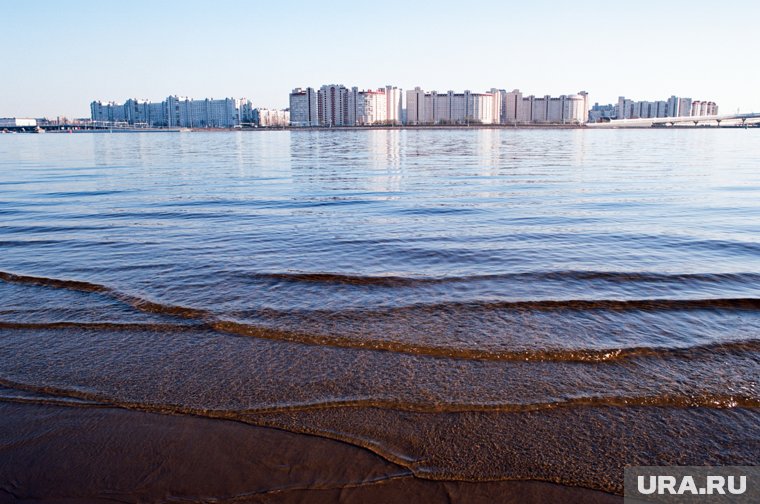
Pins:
x,y
65,454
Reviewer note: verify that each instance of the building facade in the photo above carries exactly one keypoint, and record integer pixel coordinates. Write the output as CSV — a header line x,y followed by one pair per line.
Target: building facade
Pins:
x,y
366,108
303,108
107,111
564,109
332,105
174,112
601,113
427,108
499,105
678,107
672,107
271,118
143,112
394,103
17,122
703,108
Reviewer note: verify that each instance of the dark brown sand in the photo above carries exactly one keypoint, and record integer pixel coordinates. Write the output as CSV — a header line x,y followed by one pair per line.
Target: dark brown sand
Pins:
x,y
67,454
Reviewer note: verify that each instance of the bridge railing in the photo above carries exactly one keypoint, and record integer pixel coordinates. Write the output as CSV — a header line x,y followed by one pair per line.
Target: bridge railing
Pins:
x,y
644,121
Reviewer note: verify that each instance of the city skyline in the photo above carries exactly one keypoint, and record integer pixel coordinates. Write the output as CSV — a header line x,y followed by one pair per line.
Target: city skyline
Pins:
x,y
337,105
59,61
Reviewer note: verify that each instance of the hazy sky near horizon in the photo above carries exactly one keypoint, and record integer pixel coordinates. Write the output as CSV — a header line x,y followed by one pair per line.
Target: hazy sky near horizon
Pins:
x,y
57,57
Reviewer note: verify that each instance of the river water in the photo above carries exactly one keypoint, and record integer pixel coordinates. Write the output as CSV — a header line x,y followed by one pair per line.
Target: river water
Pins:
x,y
471,304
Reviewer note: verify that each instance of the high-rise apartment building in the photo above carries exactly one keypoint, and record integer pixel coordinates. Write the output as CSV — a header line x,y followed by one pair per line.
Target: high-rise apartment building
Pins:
x,y
304,108
512,107
703,108
673,107
499,105
564,109
684,107
394,105
449,108
678,107
336,105
145,112
173,112
367,107
107,111
415,106
207,113
332,105
271,118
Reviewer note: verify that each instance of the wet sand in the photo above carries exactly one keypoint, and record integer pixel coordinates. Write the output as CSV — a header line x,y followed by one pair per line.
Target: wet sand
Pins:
x,y
68,454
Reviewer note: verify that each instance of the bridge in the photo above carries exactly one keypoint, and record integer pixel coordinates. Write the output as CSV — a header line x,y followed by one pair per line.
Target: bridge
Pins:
x,y
750,119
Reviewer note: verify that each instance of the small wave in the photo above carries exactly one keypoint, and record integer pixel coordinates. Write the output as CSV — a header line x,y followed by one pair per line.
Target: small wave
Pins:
x,y
537,355
57,395
27,243
706,400
53,282
336,278
207,319
99,326
77,194
134,301
402,281
618,304
713,245
564,276
570,355
23,395
37,230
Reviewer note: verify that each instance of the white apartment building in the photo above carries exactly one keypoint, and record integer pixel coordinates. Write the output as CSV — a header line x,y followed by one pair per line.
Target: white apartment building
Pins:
x,y
415,106
564,109
107,111
303,108
673,107
684,107
145,112
336,105
174,111
499,105
208,113
394,105
646,109
246,112
703,108
678,107
480,108
449,108
271,118
367,107
332,105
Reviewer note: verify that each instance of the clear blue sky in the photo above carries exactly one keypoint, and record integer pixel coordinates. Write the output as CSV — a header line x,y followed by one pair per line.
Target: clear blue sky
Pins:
x,y
58,56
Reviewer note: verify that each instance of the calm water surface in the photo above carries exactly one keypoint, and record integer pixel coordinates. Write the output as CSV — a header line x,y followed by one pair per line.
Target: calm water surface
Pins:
x,y
476,304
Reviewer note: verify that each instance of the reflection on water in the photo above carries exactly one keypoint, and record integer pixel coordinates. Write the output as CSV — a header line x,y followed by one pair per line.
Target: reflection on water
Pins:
x,y
584,283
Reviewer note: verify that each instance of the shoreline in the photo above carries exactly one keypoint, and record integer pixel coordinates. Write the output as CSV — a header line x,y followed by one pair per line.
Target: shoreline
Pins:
x,y
55,453
443,127
461,127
